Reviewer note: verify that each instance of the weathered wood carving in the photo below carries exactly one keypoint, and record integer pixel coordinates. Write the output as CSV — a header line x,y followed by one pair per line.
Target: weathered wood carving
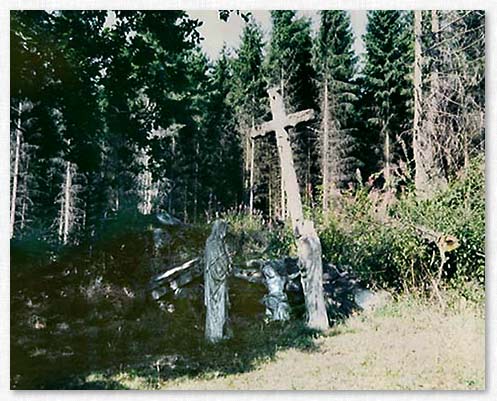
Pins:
x,y
217,269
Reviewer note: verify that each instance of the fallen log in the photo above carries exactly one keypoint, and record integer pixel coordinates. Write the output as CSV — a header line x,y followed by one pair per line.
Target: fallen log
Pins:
x,y
169,274
173,279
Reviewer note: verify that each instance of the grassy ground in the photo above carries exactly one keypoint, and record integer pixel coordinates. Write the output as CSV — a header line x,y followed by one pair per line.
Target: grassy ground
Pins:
x,y
409,344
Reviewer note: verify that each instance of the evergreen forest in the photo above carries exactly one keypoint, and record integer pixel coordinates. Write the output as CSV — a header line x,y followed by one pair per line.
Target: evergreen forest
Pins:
x,y
128,143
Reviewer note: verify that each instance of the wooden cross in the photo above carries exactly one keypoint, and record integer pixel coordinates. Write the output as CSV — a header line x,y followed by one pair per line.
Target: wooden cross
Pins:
x,y
279,124
308,244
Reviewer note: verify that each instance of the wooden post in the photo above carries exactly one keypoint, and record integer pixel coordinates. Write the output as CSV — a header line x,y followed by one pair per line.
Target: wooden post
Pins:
x,y
217,268
309,246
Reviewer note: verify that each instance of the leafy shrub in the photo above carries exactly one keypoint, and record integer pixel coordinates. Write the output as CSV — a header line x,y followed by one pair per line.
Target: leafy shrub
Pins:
x,y
377,237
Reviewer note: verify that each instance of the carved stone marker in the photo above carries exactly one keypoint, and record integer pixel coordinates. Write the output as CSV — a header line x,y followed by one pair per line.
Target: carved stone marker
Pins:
x,y
217,269
309,246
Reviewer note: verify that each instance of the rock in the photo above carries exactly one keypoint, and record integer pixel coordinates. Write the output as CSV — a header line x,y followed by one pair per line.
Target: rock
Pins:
x,y
368,300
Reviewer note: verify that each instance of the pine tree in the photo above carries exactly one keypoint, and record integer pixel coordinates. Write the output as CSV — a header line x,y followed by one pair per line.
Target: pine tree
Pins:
x,y
387,91
248,96
335,61
223,140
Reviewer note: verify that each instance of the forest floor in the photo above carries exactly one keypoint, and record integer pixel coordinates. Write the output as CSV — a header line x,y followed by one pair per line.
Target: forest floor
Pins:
x,y
408,344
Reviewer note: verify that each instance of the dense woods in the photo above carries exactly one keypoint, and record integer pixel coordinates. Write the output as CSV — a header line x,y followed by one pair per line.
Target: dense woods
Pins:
x,y
120,117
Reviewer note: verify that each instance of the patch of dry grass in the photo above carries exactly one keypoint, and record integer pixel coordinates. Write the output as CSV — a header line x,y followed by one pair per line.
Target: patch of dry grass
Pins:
x,y
407,345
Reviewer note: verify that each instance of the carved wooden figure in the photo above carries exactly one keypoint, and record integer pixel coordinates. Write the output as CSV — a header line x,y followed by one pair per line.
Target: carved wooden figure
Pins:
x,y
217,269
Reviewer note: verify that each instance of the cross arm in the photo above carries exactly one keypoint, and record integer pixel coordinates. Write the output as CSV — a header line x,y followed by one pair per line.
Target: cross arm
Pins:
x,y
263,129
299,117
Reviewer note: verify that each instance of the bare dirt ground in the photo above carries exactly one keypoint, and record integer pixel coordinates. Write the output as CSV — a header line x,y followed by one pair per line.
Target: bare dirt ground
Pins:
x,y
406,345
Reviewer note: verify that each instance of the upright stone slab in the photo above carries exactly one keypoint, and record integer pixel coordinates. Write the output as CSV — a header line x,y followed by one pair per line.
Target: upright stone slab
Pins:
x,y
217,269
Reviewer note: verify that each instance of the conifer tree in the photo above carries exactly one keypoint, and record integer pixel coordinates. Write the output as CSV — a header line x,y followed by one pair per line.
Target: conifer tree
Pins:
x,y
334,61
248,97
387,90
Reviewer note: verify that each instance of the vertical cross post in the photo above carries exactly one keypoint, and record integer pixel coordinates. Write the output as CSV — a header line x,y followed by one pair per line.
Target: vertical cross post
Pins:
x,y
308,244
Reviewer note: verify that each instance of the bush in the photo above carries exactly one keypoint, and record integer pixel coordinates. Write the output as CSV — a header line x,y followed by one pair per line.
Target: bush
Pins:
x,y
376,236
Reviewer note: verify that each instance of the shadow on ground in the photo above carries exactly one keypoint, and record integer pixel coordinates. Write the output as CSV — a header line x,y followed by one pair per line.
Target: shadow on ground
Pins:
x,y
79,322
83,346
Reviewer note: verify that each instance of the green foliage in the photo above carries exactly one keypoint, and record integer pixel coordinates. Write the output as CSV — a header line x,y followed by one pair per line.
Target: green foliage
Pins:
x,y
383,246
251,237
334,60
386,85
458,211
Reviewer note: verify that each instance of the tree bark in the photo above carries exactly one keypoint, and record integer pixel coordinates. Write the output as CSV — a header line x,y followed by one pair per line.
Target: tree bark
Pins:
x,y
387,155
24,195
217,269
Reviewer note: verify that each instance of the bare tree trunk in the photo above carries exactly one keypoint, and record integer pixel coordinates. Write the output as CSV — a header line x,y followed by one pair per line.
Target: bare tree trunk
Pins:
x,y
387,155
15,175
25,195
67,203
217,269
195,185
326,145
252,151
429,173
421,176
246,170
185,205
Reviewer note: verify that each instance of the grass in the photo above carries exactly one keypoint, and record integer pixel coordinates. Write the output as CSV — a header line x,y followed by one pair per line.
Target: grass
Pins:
x,y
410,344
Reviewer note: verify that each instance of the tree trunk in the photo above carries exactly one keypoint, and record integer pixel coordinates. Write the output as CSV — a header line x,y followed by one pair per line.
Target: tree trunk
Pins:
x,y
195,185
251,189
67,203
24,195
326,145
15,175
421,176
386,154
438,179
429,172
246,172
217,269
